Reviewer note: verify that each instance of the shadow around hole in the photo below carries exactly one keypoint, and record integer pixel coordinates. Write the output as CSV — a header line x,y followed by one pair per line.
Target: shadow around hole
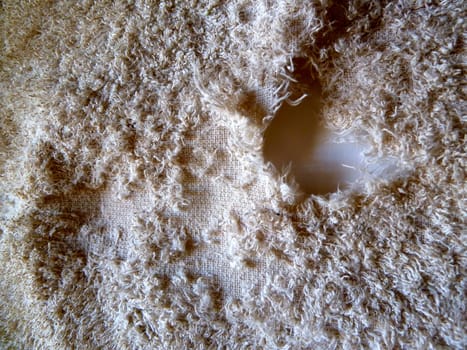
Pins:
x,y
294,136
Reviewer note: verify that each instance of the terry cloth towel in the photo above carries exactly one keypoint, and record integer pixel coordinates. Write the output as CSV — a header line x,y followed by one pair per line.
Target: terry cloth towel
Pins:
x,y
138,209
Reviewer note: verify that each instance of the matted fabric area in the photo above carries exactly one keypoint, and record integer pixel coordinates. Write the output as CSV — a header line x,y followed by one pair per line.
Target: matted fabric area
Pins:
x,y
138,209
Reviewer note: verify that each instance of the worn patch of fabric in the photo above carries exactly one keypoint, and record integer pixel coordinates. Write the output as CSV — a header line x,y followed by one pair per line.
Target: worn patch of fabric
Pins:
x,y
138,209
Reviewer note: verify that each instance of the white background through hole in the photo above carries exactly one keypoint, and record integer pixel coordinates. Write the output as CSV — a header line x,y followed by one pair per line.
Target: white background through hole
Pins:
x,y
319,162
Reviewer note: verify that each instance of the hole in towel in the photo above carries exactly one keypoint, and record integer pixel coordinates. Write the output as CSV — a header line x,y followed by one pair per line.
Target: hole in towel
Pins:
x,y
319,162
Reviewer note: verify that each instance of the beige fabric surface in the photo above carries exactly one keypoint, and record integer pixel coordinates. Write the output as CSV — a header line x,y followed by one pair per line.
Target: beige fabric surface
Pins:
x,y
141,207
